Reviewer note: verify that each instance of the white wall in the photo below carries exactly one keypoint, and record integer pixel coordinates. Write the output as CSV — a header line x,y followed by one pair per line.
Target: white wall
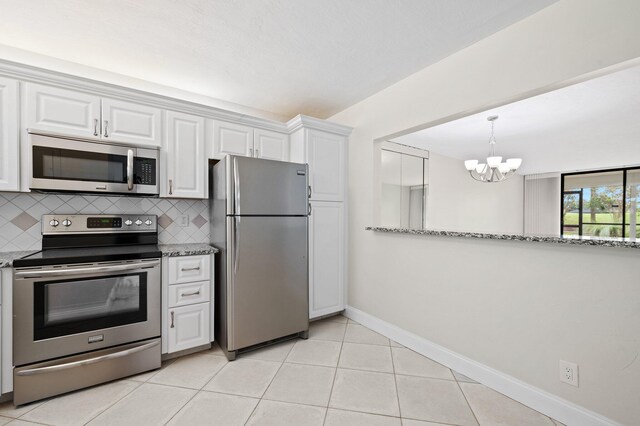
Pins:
x,y
542,205
459,203
580,304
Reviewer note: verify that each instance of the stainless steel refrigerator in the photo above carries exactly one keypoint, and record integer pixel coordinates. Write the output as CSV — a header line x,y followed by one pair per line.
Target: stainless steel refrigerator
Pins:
x,y
259,221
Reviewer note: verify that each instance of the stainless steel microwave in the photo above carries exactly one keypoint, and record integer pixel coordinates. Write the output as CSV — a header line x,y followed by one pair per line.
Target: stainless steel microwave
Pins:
x,y
69,164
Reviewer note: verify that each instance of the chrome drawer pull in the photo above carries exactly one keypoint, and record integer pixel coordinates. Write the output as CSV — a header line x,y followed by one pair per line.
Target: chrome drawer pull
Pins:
x,y
193,293
95,127
190,269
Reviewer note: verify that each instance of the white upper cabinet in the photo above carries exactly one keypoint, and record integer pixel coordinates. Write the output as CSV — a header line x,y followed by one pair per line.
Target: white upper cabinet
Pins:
x,y
326,155
62,111
232,139
237,139
185,157
9,136
131,123
89,116
270,145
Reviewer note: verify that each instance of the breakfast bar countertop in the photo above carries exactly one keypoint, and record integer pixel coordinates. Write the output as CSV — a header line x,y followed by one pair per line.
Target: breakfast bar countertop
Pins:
x,y
583,241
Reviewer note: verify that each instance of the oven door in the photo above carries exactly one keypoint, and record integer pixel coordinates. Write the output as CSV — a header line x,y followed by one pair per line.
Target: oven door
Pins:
x,y
65,310
63,164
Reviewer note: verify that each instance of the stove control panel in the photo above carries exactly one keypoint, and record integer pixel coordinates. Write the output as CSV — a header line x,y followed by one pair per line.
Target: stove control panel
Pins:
x,y
98,223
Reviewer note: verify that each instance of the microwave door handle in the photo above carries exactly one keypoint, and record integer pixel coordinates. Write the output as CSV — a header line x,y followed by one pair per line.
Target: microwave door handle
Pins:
x,y
130,169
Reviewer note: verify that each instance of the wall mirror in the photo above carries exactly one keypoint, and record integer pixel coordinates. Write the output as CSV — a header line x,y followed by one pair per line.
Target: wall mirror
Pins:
x,y
580,170
404,186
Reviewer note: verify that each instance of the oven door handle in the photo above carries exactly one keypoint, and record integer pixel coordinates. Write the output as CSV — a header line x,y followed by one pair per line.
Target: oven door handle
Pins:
x,y
80,271
66,366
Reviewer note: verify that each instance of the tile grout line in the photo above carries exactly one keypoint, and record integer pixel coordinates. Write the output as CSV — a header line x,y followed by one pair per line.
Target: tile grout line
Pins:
x,y
395,381
467,400
335,374
269,385
115,402
197,390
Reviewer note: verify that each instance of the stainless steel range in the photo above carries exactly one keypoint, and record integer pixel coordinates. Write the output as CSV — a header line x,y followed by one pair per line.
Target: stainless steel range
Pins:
x,y
87,307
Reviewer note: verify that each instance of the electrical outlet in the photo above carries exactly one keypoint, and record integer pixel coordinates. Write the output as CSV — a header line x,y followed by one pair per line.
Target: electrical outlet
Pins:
x,y
569,373
183,220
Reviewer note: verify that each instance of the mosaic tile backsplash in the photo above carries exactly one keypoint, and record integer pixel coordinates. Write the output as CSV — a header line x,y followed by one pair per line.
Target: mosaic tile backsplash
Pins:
x,y
20,215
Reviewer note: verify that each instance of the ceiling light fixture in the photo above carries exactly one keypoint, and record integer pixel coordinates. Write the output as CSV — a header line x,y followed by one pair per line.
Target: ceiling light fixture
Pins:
x,y
494,170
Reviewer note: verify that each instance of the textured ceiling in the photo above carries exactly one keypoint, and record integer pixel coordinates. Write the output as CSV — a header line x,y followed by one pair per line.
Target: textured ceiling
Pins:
x,y
283,56
590,125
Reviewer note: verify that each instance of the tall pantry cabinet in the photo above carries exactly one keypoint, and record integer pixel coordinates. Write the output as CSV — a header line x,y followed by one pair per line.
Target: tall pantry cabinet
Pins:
x,y
323,146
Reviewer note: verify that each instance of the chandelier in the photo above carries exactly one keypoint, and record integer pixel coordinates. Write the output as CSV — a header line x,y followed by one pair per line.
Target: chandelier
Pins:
x,y
494,170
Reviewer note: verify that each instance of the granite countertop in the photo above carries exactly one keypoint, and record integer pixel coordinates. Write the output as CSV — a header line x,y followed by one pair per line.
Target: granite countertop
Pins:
x,y
171,250
7,257
583,241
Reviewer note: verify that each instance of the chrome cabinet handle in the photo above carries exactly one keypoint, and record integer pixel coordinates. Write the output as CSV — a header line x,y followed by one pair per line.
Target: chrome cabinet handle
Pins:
x,y
130,169
257,153
192,293
172,320
66,366
250,152
95,127
190,269
170,186
309,209
309,191
106,126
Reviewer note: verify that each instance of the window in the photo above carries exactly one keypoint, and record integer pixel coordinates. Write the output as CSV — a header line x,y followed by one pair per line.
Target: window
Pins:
x,y
404,175
601,204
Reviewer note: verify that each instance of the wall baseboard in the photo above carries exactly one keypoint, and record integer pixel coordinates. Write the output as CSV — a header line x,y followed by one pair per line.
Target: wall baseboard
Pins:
x,y
538,399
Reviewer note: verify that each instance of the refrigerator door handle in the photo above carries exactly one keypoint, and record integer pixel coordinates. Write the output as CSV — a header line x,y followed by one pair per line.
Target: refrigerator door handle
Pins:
x,y
236,243
236,190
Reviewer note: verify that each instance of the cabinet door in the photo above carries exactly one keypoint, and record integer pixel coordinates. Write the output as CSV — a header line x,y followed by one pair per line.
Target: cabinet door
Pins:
x,y
271,145
326,157
326,258
188,327
62,111
186,159
132,123
9,140
233,139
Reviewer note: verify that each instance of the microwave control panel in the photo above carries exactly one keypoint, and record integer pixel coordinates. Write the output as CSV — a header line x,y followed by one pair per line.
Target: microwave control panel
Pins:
x,y
144,171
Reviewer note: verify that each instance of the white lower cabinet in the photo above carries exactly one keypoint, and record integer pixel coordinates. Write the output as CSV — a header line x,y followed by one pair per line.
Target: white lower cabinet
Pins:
x,y
326,258
188,327
6,330
187,302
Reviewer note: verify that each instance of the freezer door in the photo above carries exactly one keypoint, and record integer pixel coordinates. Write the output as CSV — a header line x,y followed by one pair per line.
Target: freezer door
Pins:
x,y
267,279
266,187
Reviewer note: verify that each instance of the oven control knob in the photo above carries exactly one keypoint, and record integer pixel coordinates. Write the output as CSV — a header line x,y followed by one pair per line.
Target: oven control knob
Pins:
x,y
128,222
66,222
148,222
54,223
138,222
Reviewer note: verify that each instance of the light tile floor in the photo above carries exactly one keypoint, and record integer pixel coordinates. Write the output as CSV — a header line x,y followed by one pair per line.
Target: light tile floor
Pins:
x,y
345,374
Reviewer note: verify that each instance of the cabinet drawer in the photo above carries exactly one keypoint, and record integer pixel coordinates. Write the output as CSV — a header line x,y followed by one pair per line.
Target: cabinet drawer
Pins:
x,y
186,269
188,327
189,293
